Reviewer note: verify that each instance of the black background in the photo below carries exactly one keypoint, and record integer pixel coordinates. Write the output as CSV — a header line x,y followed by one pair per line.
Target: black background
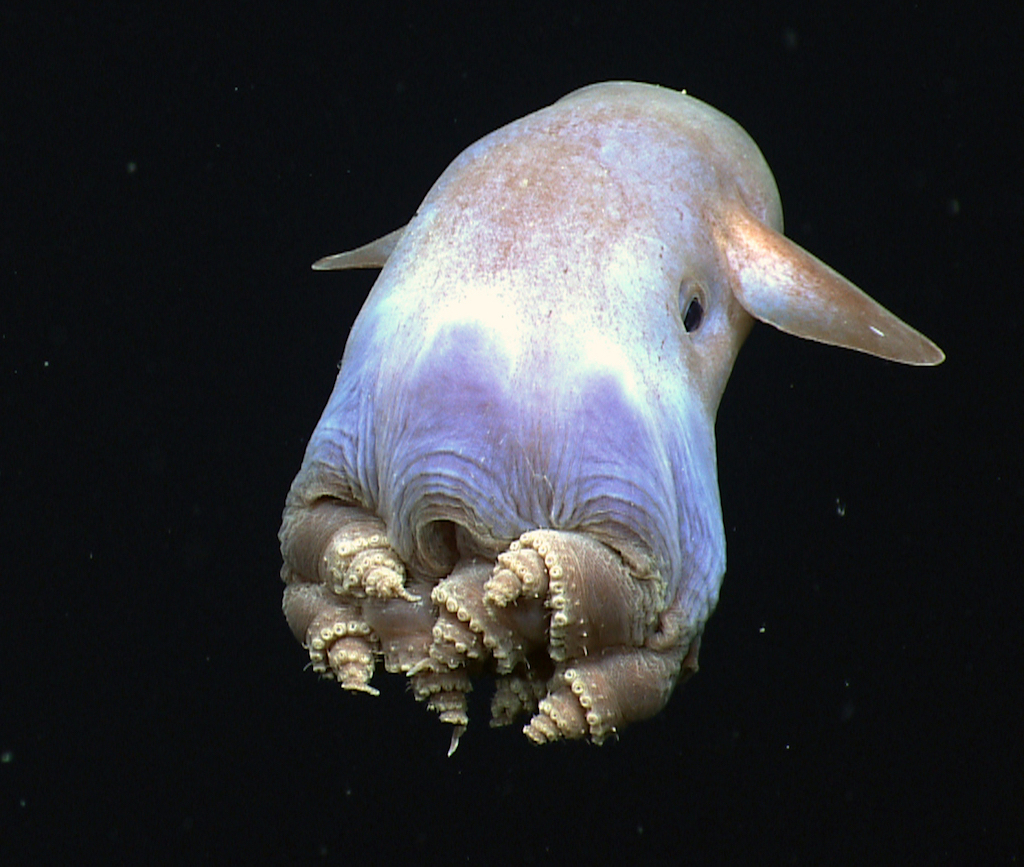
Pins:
x,y
168,175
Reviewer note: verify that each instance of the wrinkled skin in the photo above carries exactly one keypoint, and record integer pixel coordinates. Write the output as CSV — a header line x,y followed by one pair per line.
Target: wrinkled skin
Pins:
x,y
515,474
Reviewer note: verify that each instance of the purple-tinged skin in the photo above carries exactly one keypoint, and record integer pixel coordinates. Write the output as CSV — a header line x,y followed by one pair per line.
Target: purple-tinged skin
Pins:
x,y
516,473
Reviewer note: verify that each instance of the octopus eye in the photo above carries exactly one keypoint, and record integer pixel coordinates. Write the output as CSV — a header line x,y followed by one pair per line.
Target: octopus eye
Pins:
x,y
693,311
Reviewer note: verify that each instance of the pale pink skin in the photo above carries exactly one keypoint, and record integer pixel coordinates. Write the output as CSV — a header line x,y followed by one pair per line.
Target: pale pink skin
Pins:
x,y
515,473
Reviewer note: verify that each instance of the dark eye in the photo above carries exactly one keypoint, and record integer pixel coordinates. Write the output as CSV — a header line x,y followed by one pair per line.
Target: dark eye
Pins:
x,y
693,313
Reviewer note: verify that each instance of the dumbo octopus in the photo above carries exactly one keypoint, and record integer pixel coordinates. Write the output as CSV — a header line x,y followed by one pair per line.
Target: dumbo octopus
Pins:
x,y
515,473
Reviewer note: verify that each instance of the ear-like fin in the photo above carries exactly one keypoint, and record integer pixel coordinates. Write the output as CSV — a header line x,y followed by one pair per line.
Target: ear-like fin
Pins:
x,y
782,284
372,255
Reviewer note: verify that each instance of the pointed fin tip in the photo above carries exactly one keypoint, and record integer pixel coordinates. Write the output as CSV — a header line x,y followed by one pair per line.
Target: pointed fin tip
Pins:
x,y
780,283
908,346
372,255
